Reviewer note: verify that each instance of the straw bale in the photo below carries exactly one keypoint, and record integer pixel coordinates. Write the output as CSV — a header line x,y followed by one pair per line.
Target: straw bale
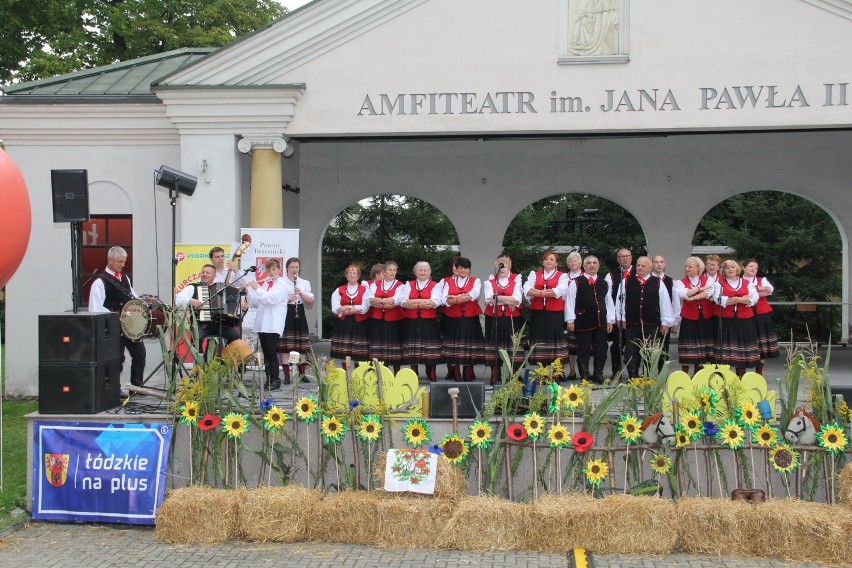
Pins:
x,y
199,514
487,524
844,485
717,526
277,514
350,517
564,522
405,522
636,524
793,530
450,483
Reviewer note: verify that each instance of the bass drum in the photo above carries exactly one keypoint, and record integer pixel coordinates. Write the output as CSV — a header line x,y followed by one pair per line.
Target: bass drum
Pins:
x,y
140,317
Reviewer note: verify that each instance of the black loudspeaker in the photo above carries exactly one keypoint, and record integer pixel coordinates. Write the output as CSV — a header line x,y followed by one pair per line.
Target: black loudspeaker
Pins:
x,y
471,397
845,392
79,338
78,389
70,195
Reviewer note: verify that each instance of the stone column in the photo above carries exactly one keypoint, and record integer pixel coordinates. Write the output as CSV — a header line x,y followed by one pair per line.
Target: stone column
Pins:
x,y
267,204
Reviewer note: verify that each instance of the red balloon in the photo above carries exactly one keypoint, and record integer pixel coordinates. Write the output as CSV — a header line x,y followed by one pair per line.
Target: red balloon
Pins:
x,y
15,218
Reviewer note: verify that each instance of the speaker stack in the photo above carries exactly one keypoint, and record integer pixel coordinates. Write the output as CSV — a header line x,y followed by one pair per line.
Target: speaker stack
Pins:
x,y
471,398
79,363
70,190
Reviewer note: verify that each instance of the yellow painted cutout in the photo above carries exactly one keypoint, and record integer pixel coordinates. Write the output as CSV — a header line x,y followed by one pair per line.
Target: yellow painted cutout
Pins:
x,y
402,392
752,387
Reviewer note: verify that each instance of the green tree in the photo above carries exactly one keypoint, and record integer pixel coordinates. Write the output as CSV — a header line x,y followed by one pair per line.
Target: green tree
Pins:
x,y
43,38
385,227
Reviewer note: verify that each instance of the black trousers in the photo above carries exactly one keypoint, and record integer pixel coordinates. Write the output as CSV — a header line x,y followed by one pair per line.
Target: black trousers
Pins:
x,y
228,333
137,360
591,344
616,349
269,344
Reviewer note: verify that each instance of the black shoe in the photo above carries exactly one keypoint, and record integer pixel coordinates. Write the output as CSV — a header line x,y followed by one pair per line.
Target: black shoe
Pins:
x,y
274,386
304,379
286,381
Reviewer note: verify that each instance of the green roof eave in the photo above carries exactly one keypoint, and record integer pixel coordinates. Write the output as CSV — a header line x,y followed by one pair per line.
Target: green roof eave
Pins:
x,y
27,99
278,87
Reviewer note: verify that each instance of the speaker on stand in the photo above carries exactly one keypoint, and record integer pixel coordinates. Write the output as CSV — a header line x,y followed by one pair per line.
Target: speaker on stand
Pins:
x,y
71,204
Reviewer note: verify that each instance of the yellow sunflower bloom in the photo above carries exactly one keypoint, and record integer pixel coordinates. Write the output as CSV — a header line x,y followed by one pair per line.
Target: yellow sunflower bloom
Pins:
x,y
370,429
572,397
783,458
533,425
661,463
766,436
692,425
274,419
332,429
416,432
682,438
455,448
189,413
731,434
596,471
832,438
480,434
558,436
235,424
749,415
629,428
306,409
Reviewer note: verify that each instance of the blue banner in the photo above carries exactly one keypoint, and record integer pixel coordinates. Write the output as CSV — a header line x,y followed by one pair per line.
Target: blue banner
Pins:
x,y
84,471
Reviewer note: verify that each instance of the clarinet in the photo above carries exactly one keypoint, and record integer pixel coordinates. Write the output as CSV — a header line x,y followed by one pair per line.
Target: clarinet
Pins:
x,y
297,298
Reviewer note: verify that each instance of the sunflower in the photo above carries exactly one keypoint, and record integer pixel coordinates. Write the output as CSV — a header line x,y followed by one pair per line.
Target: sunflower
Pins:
x,y
766,436
682,438
306,409
274,419
708,400
692,425
832,438
629,428
516,432
332,429
731,434
209,422
661,463
533,425
596,471
189,413
749,415
370,429
558,436
783,458
235,424
455,448
416,432
480,434
572,397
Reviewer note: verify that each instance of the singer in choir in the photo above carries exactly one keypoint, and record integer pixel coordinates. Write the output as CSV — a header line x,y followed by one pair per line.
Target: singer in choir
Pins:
x,y
575,270
767,340
737,334
545,291
503,296
420,299
268,298
693,310
590,315
464,345
295,336
625,268
386,317
349,304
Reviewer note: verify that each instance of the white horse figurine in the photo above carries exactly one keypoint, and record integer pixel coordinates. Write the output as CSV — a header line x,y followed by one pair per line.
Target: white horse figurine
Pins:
x,y
802,429
658,429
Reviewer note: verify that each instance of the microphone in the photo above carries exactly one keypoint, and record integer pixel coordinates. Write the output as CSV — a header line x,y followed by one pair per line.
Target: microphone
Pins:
x,y
501,266
249,269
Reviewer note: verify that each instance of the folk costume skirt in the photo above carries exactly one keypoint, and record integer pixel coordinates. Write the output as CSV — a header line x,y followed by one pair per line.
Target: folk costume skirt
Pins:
x,y
696,342
296,336
767,341
507,327
421,344
738,344
386,341
547,337
349,338
463,341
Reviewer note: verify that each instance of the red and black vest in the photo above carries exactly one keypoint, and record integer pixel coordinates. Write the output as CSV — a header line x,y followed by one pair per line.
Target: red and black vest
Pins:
x,y
347,300
702,308
387,314
590,305
642,301
542,283
739,311
467,309
424,294
504,310
762,306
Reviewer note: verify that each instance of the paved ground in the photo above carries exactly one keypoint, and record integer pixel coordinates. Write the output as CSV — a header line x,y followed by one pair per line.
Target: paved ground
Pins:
x,y
95,546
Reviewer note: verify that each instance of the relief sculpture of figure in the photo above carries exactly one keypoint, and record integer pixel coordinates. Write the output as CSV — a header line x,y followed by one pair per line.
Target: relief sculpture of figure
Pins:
x,y
593,28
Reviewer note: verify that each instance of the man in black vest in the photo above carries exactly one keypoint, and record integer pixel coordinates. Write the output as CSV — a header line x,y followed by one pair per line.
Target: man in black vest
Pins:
x,y
109,292
218,325
644,312
658,264
590,314
624,269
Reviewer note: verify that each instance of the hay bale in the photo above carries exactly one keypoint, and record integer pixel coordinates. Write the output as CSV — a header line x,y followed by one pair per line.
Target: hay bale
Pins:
x,y
199,515
793,530
450,483
652,525
844,485
718,526
406,522
487,524
277,514
348,517
564,522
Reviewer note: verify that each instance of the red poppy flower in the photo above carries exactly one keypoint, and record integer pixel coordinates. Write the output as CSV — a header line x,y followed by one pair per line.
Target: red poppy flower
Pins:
x,y
209,422
583,441
517,432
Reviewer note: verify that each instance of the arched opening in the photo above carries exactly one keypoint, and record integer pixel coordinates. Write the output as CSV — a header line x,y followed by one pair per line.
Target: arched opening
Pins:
x,y
572,221
799,249
384,227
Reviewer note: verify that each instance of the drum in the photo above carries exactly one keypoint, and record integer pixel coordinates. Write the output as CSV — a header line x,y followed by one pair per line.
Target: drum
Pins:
x,y
141,316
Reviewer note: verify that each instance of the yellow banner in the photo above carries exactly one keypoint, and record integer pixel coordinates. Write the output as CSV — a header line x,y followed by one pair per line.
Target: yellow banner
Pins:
x,y
190,259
